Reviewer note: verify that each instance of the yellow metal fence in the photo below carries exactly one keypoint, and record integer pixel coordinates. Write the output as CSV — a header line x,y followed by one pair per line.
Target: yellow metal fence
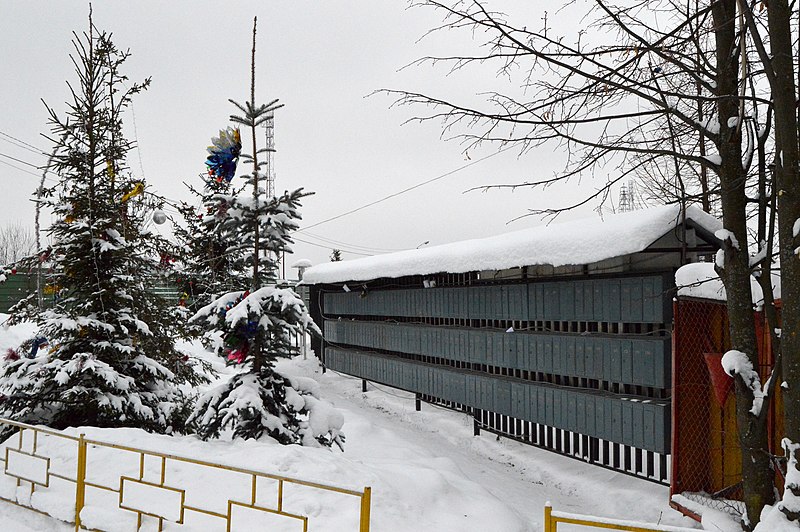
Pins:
x,y
553,518
30,465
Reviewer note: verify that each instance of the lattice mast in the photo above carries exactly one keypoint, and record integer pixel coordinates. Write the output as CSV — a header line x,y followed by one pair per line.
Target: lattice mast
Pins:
x,y
269,128
627,198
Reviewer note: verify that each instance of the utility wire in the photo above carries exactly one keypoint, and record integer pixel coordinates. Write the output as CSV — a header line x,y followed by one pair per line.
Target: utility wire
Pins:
x,y
409,189
347,244
18,168
21,143
294,237
20,161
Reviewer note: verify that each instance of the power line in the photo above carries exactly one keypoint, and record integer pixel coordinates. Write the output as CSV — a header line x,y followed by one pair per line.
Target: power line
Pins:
x,y
294,237
20,169
390,196
21,143
20,161
347,244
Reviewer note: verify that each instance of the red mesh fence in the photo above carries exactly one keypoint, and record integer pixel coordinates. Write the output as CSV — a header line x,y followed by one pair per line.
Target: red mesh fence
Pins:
x,y
705,451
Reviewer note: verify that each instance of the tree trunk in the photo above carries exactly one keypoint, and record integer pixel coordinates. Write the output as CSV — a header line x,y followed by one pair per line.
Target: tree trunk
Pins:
x,y
787,182
756,474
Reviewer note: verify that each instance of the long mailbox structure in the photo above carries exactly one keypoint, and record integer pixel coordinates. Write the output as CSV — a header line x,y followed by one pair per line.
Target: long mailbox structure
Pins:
x,y
580,366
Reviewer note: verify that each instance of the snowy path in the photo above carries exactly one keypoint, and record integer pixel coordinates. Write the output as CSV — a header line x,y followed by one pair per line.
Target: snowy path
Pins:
x,y
523,477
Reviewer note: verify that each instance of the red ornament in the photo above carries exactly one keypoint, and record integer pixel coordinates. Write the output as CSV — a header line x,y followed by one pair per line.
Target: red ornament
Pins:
x,y
237,356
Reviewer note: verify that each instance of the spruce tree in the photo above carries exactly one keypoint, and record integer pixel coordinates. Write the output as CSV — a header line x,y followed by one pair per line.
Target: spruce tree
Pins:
x,y
259,323
109,360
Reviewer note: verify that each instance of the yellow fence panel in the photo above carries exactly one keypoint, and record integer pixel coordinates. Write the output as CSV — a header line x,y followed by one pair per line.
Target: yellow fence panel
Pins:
x,y
553,518
31,462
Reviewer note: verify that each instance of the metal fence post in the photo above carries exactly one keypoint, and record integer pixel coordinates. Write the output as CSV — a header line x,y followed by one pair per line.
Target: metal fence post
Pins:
x,y
80,482
365,507
548,519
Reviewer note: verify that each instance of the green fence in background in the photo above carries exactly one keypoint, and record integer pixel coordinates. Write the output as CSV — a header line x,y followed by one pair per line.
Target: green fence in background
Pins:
x,y
19,285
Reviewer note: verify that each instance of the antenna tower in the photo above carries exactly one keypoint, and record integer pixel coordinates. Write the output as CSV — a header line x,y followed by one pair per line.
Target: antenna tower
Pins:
x,y
269,127
627,198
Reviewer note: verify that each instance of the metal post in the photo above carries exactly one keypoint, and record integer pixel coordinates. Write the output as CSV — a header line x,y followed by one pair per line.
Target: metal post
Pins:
x,y
418,402
476,424
363,385
80,482
549,526
365,507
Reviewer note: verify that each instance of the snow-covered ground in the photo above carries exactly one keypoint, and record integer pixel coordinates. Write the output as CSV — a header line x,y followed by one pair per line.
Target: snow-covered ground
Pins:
x,y
426,469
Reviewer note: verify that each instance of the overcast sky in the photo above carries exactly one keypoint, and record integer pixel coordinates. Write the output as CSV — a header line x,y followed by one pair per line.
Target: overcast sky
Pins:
x,y
322,59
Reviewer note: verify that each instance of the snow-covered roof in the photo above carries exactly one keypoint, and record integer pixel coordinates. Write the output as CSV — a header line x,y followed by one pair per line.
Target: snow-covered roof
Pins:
x,y
581,241
700,280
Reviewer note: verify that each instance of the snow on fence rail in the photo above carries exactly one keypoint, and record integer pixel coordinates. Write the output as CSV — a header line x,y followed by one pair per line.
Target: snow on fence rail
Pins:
x,y
106,486
552,519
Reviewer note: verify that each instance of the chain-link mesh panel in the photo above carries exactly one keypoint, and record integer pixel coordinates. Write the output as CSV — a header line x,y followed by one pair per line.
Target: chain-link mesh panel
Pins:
x,y
706,458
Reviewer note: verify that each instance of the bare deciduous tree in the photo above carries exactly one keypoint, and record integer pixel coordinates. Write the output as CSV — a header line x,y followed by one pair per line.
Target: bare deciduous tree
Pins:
x,y
643,87
16,242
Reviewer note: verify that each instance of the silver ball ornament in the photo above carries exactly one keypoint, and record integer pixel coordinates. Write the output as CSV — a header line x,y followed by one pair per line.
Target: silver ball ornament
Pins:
x,y
159,216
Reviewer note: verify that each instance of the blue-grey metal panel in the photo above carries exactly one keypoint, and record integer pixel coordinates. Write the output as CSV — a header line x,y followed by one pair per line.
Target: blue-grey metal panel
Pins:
x,y
581,369
599,313
497,308
521,400
643,368
590,419
518,301
571,422
627,421
502,396
580,414
559,366
627,361
651,299
579,300
612,301
566,296
495,345
649,427
552,302
536,299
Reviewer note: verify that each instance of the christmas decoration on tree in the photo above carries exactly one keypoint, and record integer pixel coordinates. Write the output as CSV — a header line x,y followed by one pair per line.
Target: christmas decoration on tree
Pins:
x,y
224,155
258,323
138,188
159,216
104,355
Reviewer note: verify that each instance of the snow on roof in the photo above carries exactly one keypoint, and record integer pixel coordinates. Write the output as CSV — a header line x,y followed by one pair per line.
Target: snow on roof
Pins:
x,y
581,241
700,280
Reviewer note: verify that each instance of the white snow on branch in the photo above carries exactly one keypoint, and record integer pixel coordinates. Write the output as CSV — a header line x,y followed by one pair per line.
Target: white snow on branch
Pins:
x,y
724,234
736,363
774,518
